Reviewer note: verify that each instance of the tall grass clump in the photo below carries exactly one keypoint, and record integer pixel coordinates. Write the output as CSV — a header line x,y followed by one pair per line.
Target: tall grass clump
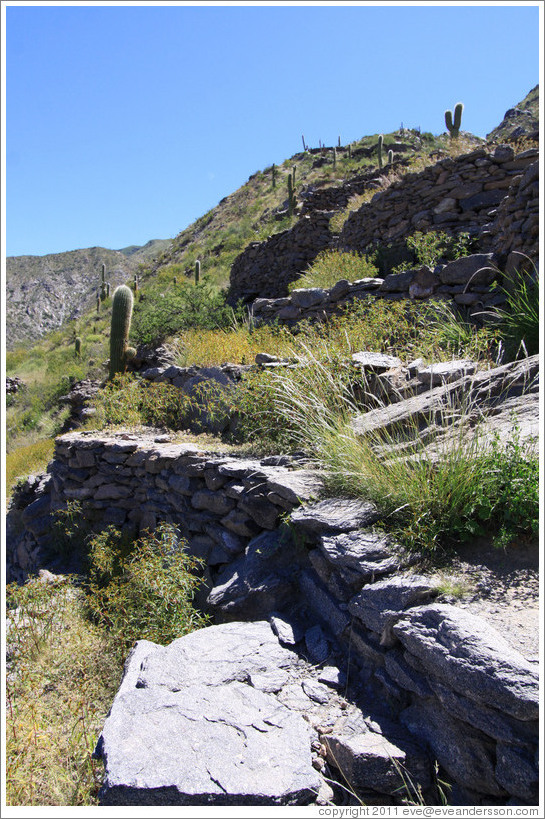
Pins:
x,y
463,486
330,266
518,321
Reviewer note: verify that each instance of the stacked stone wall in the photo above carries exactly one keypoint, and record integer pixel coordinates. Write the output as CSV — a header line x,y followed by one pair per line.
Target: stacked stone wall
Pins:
x,y
460,689
492,195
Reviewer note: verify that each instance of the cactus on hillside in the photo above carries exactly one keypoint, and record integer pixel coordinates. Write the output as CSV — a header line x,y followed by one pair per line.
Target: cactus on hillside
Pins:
x,y
136,283
334,157
304,146
274,175
349,150
339,143
390,157
453,125
119,332
197,271
291,195
380,142
98,302
77,347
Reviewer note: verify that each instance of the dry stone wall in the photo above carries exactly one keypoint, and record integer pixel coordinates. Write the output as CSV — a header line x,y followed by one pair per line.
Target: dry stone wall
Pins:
x,y
491,194
329,579
453,195
465,283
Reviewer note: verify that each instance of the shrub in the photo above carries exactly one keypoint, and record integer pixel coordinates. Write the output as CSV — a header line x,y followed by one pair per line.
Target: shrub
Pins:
x,y
131,401
518,323
160,316
143,589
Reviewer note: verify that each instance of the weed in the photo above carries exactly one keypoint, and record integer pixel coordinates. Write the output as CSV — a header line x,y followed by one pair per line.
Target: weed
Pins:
x,y
142,589
330,266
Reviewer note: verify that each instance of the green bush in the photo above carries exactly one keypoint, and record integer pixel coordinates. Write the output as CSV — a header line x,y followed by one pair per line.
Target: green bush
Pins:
x,y
132,401
159,316
143,589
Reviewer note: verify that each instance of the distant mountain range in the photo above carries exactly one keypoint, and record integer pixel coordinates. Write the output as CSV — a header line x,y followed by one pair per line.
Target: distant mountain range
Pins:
x,y
42,292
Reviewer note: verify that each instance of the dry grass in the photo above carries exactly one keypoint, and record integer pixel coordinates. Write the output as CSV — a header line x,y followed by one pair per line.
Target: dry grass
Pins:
x,y
62,676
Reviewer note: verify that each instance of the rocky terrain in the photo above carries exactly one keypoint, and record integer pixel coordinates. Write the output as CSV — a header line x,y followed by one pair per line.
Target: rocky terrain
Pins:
x,y
44,292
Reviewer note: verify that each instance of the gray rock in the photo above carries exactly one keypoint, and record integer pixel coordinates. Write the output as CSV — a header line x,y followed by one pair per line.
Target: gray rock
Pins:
x,y
380,605
317,645
376,362
471,657
366,552
334,515
288,633
517,773
476,269
297,486
308,298
260,582
397,282
185,730
339,290
370,761
332,676
316,691
446,372
457,747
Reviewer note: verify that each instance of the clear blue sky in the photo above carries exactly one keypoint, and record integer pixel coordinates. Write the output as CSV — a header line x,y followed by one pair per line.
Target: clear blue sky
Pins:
x,y
125,123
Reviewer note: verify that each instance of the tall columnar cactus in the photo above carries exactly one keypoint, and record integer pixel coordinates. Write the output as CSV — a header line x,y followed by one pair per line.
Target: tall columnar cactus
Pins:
x,y
304,146
334,157
349,150
77,347
380,143
136,283
293,174
120,327
453,126
339,142
197,271
291,195
98,302
390,157
274,175
108,290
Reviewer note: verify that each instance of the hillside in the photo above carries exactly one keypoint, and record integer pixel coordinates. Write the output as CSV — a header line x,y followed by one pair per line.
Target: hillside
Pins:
x,y
44,292
520,121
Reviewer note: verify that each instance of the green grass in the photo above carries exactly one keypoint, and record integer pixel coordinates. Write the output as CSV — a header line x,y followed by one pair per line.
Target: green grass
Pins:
x,y
27,460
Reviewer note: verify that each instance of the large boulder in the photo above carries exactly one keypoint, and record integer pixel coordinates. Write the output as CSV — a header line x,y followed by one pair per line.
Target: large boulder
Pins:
x,y
188,726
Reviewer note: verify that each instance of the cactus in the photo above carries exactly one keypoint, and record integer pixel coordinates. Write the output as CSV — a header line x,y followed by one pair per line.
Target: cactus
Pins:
x,y
108,290
293,174
77,347
291,195
136,283
334,157
197,271
304,146
380,142
98,302
274,175
390,157
350,150
175,280
453,127
339,142
120,326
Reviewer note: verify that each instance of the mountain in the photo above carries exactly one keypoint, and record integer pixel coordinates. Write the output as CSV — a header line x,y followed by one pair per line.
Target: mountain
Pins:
x,y
520,121
42,292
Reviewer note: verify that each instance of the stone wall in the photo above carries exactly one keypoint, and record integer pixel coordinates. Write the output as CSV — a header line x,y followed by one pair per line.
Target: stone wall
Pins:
x,y
493,195
465,283
453,195
449,678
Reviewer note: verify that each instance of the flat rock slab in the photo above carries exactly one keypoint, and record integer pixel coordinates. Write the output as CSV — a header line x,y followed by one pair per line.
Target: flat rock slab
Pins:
x,y
471,657
187,726
334,515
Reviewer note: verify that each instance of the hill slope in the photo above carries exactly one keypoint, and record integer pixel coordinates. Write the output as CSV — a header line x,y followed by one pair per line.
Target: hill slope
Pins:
x,y
522,120
43,292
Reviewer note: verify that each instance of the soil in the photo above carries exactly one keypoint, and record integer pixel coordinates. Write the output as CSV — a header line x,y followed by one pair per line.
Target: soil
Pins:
x,y
503,589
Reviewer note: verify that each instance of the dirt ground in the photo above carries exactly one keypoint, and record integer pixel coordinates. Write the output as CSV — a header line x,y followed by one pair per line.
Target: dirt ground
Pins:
x,y
503,588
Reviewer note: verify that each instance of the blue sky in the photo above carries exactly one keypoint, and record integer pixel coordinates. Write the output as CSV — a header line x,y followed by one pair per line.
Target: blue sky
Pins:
x,y
125,123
